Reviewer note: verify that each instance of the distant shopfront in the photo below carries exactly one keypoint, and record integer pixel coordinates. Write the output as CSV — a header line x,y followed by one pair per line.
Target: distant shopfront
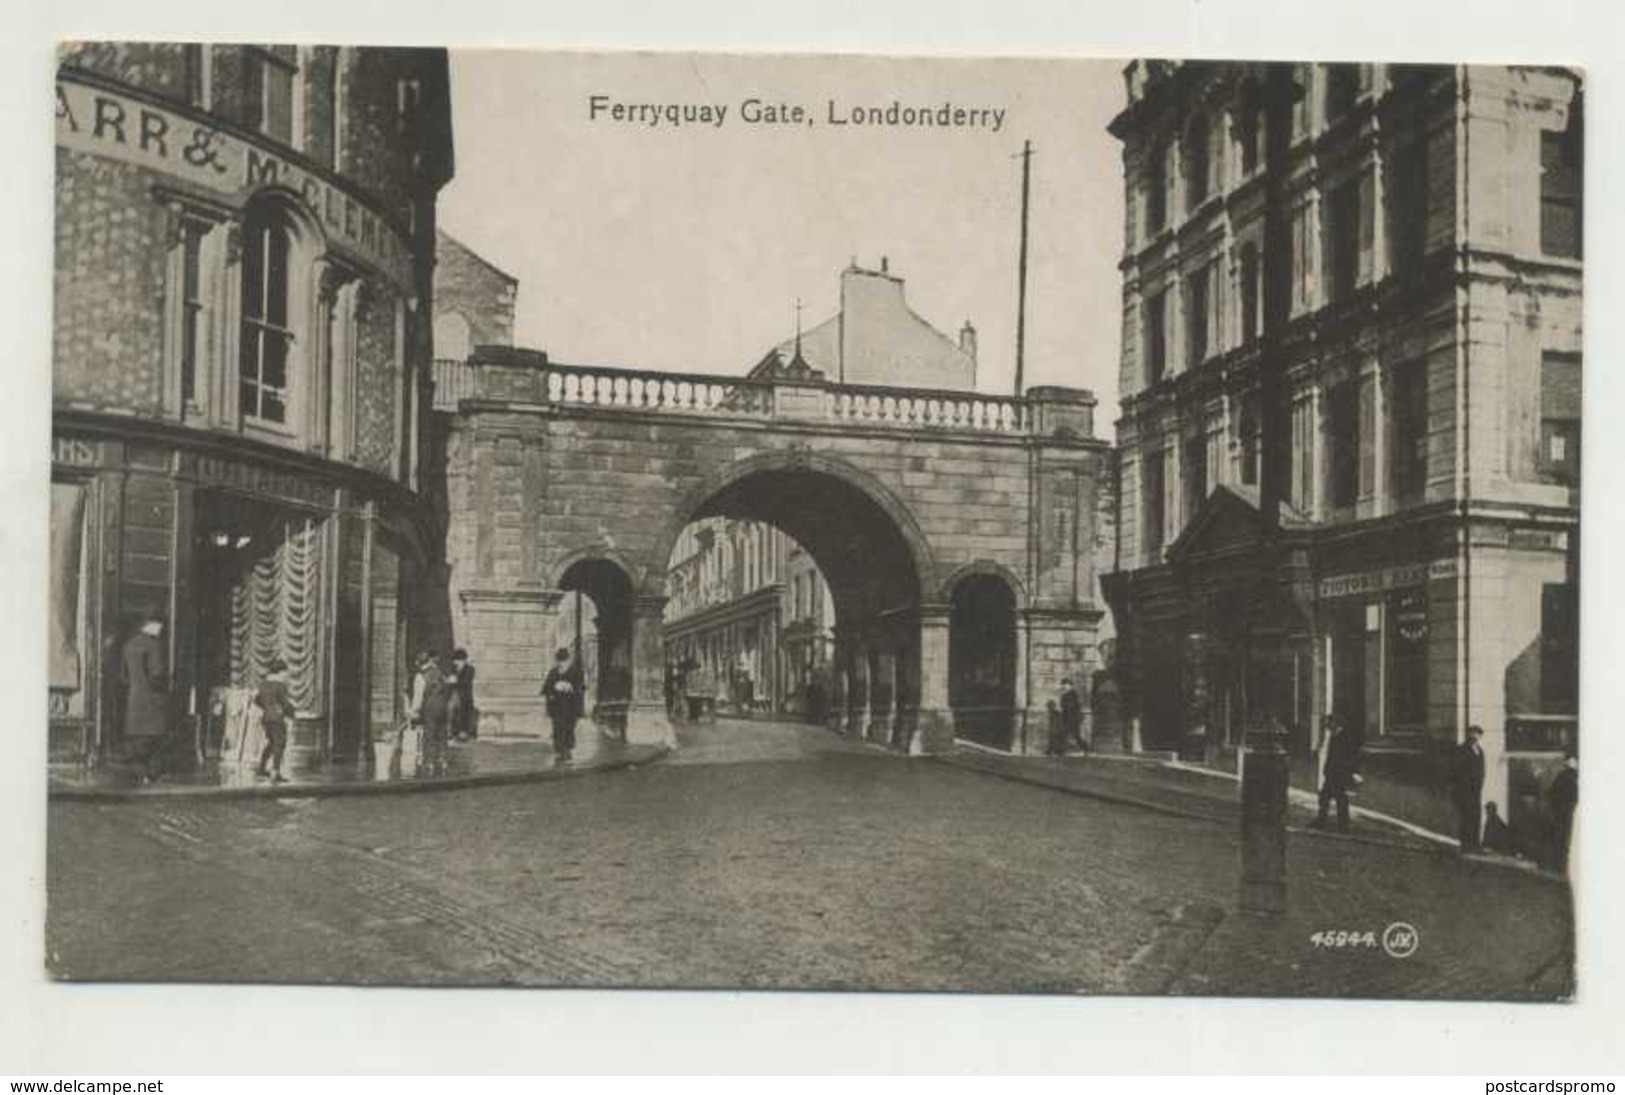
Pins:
x,y
247,554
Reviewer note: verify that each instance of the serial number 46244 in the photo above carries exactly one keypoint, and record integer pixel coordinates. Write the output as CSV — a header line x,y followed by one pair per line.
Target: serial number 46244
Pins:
x,y
1333,940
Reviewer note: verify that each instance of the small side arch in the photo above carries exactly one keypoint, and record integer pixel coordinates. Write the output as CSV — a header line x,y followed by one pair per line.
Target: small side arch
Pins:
x,y
945,591
596,551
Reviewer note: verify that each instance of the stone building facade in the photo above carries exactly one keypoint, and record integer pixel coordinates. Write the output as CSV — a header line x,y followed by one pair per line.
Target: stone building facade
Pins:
x,y
244,248
1425,577
749,615
474,302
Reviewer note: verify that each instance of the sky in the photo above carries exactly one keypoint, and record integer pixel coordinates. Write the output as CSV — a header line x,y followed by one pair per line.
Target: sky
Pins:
x,y
685,249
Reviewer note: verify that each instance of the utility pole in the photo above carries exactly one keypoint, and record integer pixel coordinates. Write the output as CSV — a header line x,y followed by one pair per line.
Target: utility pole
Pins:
x,y
1021,274
1270,97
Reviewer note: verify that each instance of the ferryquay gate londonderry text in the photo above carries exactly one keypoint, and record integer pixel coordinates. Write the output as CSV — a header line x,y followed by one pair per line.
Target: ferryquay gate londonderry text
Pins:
x,y
888,114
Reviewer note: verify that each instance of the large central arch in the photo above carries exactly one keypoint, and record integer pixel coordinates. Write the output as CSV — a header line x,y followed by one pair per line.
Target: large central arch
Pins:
x,y
872,554
747,488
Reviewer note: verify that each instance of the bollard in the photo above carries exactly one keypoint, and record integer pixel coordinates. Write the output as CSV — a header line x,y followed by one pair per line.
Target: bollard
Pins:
x,y
1263,824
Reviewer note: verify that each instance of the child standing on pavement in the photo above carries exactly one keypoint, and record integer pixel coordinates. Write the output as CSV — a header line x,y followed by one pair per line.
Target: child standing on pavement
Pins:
x,y
273,699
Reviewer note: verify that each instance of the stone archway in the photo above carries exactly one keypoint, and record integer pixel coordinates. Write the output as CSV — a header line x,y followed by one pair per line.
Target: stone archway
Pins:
x,y
871,553
604,651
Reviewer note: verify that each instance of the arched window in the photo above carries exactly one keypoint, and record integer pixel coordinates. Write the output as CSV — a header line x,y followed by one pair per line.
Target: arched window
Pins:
x,y
267,336
453,338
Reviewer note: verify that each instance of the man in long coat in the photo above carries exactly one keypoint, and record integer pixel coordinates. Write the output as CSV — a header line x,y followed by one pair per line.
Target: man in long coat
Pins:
x,y
1467,788
1337,774
562,692
1072,717
145,669
1561,798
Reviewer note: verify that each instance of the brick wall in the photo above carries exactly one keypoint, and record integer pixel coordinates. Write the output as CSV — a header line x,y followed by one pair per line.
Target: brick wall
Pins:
x,y
109,285
114,233
378,379
158,67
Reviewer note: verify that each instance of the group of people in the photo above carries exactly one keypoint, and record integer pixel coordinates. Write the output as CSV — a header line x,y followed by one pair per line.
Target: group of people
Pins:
x,y
441,705
1479,825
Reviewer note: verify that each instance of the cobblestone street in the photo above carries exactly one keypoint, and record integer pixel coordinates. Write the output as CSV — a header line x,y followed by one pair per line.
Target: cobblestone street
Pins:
x,y
767,856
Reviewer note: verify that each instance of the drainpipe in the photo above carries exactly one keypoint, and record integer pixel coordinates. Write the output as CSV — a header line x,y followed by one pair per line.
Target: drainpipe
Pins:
x,y
1464,428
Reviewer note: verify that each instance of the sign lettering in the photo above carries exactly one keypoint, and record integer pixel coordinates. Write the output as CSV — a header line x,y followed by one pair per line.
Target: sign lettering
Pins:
x,y
249,477
1380,581
75,452
106,124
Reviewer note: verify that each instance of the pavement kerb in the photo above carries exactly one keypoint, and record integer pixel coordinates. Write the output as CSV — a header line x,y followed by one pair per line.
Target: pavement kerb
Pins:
x,y
335,790
1447,849
1018,776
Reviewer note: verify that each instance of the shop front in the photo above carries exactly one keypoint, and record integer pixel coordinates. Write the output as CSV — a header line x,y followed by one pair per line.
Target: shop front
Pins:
x,y
233,555
1281,631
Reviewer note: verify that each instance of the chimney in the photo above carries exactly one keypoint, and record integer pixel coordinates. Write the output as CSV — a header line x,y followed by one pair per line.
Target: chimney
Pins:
x,y
967,340
882,264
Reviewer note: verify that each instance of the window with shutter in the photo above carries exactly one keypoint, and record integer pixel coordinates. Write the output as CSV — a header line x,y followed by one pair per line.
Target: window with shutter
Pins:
x,y
1151,501
1559,458
1248,432
1197,162
1156,337
1197,292
1343,236
1342,444
1156,193
1560,191
1407,402
1251,292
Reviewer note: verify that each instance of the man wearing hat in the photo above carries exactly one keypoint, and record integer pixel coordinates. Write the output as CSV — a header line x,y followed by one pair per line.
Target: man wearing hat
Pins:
x,y
1467,788
1338,774
274,700
145,667
563,693
431,710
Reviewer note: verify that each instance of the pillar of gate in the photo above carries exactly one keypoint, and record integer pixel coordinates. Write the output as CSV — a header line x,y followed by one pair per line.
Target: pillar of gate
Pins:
x,y
835,716
647,720
509,635
1052,645
882,691
934,720
857,685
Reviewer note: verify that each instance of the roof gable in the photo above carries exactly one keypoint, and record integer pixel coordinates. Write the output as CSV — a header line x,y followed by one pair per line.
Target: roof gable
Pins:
x,y
1230,519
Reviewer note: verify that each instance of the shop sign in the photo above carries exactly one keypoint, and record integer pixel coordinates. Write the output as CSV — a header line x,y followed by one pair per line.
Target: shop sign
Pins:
x,y
108,124
1411,615
1540,735
75,452
254,479
1386,578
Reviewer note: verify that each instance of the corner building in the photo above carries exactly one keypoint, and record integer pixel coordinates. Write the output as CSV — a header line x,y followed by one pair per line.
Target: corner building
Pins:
x,y
1425,577
244,253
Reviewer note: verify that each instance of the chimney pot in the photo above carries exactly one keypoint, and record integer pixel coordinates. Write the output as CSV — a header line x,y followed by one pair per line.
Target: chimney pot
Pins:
x,y
967,340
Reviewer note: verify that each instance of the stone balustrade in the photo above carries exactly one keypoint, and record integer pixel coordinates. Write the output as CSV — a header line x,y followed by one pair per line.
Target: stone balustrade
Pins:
x,y
519,376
